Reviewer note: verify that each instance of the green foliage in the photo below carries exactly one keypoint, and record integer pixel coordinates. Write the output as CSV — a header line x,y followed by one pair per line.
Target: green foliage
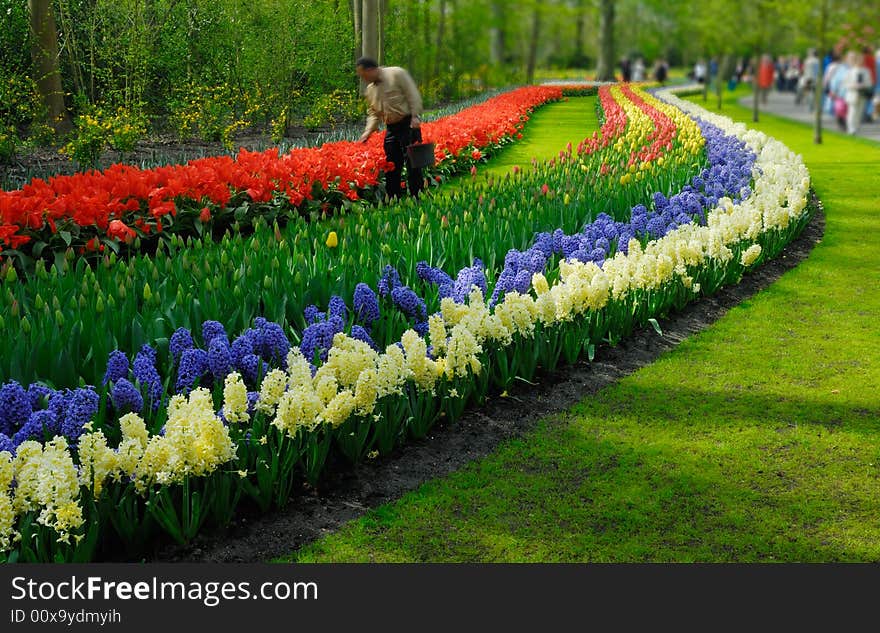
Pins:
x,y
8,145
99,128
339,106
20,103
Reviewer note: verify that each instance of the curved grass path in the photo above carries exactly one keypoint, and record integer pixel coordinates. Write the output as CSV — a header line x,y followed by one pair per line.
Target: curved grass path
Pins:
x,y
547,132
755,440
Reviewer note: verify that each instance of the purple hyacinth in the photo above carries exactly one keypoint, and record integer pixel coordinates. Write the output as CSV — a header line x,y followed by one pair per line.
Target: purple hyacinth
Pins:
x,y
337,308
432,275
146,374
6,444
389,281
241,347
318,338
181,341
359,333
220,357
366,304
271,342
38,394
15,407
312,314
252,368
82,406
39,425
126,398
58,403
117,367
193,367
210,329
408,302
253,397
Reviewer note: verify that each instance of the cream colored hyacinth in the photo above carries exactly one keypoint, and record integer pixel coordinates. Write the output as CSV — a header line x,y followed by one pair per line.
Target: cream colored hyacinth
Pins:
x,y
195,443
235,402
47,483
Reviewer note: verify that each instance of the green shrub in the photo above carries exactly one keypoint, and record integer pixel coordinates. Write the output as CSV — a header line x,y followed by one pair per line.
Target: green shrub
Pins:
x,y
8,144
339,106
97,129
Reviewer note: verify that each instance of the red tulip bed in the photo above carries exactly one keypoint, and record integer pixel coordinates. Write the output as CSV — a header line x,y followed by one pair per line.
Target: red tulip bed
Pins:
x,y
95,210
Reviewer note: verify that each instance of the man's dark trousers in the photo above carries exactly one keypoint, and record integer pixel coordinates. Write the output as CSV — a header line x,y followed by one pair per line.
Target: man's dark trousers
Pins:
x,y
397,137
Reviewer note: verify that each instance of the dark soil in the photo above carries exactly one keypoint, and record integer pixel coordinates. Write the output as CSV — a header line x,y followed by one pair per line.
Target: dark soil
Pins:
x,y
348,493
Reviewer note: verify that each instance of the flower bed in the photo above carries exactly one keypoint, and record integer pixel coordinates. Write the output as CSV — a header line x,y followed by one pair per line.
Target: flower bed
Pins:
x,y
279,271
141,461
93,210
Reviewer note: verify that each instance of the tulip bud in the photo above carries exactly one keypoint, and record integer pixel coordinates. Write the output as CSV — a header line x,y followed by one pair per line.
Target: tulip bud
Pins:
x,y
11,275
99,305
25,325
148,294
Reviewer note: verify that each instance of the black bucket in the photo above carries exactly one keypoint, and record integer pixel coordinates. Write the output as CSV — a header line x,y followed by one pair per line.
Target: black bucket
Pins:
x,y
420,155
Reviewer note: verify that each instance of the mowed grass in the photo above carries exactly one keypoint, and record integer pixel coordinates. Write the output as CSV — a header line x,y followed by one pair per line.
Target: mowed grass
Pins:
x,y
755,440
549,129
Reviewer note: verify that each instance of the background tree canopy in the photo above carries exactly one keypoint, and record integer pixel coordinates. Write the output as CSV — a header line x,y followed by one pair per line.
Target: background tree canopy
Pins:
x,y
208,69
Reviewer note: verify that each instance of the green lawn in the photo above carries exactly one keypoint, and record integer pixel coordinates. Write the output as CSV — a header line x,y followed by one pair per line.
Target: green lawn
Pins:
x,y
756,440
547,132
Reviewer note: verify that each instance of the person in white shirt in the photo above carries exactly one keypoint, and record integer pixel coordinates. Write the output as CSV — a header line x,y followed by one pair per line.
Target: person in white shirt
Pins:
x,y
393,99
858,86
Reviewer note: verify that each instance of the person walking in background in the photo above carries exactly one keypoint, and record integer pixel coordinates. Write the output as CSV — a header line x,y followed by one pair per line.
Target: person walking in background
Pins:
x,y
837,71
661,71
869,62
638,71
765,77
858,87
625,69
808,79
876,101
393,99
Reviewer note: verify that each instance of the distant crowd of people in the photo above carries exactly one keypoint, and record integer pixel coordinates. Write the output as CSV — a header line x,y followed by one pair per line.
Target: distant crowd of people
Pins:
x,y
850,91
635,70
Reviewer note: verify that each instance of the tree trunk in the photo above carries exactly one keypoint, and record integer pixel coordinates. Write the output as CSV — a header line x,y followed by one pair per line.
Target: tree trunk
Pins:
x,y
439,55
370,24
533,43
605,69
497,33
411,29
756,89
579,24
818,92
724,69
357,13
44,53
380,55
426,47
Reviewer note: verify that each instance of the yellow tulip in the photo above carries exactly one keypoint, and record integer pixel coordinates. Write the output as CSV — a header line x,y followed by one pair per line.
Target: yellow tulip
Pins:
x,y
332,240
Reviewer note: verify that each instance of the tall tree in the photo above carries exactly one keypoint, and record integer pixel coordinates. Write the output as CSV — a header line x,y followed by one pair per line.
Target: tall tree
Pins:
x,y
380,54
439,53
605,69
497,33
533,42
370,25
579,27
357,14
44,53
